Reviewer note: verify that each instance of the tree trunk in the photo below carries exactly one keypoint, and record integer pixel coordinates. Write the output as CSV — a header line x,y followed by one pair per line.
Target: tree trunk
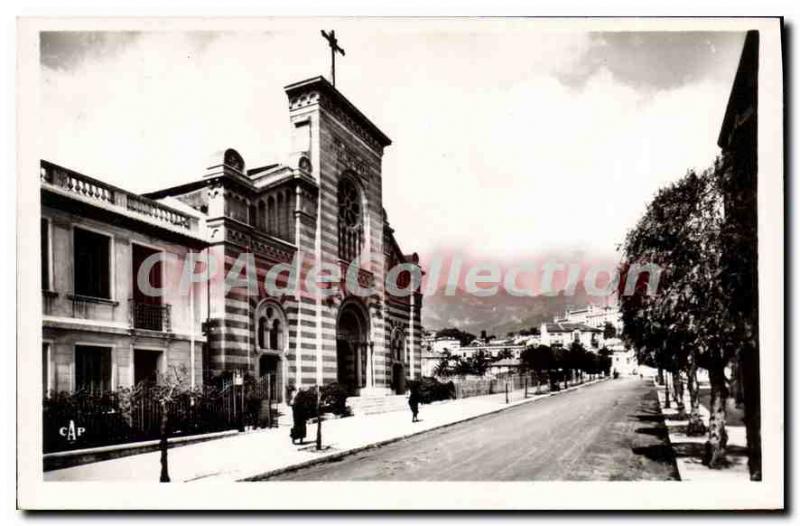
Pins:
x,y
660,377
737,391
675,379
696,427
751,387
717,435
163,442
677,389
665,380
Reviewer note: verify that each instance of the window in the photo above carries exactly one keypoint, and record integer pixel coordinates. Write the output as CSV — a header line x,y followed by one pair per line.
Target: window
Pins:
x,y
92,264
261,218
351,224
274,335
398,346
262,332
272,216
92,369
270,330
45,255
288,213
252,218
147,310
279,205
139,254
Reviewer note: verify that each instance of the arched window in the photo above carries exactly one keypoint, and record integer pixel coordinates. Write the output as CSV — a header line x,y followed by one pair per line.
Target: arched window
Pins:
x,y
262,332
289,216
270,328
398,346
275,335
261,219
279,228
351,220
272,226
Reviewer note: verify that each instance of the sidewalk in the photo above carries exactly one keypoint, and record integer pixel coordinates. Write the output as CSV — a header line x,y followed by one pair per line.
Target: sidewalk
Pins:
x,y
270,451
689,450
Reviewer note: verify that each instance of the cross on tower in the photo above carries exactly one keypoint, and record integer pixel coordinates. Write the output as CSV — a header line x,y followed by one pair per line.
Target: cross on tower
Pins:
x,y
334,44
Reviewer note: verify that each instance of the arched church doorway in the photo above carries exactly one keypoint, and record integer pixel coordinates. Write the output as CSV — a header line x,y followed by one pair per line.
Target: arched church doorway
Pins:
x,y
352,348
398,370
398,378
271,343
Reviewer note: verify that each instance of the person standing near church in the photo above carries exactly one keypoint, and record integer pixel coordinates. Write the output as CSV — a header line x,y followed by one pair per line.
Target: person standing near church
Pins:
x,y
299,416
413,402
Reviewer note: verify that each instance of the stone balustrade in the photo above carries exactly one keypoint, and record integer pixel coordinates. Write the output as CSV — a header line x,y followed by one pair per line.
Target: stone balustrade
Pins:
x,y
89,188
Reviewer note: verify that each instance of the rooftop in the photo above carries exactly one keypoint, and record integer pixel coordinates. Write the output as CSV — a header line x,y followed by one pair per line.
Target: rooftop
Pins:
x,y
321,84
92,194
570,327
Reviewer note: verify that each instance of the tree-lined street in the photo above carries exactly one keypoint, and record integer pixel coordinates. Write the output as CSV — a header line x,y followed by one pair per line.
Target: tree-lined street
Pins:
x,y
609,431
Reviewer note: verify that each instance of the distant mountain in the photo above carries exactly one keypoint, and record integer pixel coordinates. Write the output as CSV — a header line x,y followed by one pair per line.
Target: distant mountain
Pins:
x,y
498,314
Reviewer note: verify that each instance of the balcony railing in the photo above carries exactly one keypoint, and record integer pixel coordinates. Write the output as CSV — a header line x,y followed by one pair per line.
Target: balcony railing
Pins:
x,y
85,187
157,211
85,306
77,183
149,317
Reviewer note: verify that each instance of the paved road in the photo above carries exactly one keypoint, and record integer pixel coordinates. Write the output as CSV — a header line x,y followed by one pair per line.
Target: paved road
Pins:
x,y
609,431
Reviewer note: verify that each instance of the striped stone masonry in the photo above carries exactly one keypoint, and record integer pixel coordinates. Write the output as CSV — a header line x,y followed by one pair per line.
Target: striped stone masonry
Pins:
x,y
318,345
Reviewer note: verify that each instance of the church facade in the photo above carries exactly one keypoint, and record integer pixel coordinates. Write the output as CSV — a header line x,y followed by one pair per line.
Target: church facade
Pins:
x,y
286,224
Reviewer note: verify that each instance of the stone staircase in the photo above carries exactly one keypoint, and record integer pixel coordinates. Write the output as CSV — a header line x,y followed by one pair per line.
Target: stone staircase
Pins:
x,y
374,404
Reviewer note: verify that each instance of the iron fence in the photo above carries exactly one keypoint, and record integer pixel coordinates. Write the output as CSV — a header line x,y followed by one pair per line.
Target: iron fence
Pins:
x,y
534,383
81,420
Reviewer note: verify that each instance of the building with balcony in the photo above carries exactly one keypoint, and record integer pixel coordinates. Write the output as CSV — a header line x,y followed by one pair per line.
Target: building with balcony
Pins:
x,y
101,330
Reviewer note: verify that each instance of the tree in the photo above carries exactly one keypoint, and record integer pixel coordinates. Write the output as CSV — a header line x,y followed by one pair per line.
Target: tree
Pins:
x,y
560,363
576,359
462,367
539,359
687,322
604,360
165,392
464,338
735,174
443,369
504,355
696,426
533,331
609,331
479,363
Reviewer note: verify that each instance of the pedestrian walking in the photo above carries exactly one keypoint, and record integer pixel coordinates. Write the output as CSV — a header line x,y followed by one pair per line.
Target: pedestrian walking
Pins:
x,y
413,402
299,417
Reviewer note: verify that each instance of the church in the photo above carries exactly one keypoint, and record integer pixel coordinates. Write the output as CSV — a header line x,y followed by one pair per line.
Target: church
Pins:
x,y
322,207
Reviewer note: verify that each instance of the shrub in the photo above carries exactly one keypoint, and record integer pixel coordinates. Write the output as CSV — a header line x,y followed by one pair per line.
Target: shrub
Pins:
x,y
334,399
306,401
432,390
100,415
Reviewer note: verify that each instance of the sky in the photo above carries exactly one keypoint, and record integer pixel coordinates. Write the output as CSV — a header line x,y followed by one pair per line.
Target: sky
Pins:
x,y
508,141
